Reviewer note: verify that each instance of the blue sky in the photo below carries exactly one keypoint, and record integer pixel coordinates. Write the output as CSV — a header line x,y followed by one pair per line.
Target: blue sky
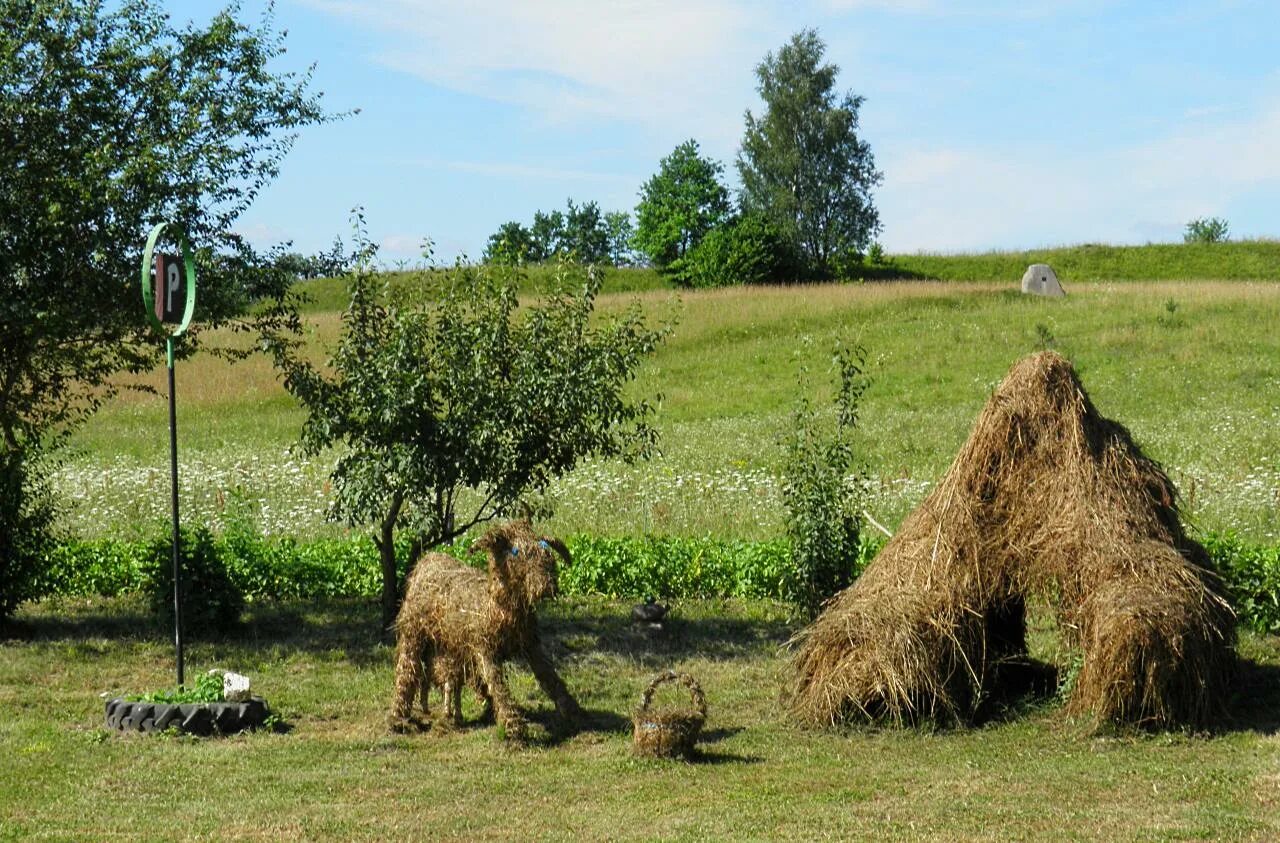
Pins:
x,y
997,124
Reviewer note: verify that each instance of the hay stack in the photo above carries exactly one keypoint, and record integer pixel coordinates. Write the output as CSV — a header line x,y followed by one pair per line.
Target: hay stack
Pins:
x,y
1046,499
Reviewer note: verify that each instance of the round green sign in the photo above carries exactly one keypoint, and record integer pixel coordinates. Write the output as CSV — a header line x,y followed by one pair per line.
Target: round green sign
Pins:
x,y
148,289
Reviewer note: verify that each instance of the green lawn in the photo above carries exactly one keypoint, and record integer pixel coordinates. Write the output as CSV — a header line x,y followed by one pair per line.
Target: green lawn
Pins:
x,y
337,774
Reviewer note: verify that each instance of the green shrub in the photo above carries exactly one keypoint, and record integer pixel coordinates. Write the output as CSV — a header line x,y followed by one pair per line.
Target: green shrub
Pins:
x,y
823,491
211,600
747,250
26,523
620,567
1251,575
1206,230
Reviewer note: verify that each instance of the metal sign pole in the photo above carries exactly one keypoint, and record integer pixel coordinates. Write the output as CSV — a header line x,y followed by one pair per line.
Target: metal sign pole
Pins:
x,y
158,299
173,477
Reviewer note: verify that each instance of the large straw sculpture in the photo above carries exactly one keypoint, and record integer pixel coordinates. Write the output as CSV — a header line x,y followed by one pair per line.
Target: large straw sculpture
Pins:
x,y
1046,499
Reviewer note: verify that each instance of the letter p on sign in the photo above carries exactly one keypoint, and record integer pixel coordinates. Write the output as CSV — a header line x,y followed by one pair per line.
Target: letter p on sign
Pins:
x,y
169,293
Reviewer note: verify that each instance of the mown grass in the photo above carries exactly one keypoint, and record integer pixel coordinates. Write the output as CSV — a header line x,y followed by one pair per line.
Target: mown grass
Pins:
x,y
1192,368
337,774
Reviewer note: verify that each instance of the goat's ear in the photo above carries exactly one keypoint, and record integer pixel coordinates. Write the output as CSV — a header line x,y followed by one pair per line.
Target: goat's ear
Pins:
x,y
499,549
559,547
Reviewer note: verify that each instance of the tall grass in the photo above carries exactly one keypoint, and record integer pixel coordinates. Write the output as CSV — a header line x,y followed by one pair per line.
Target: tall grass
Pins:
x,y
1192,368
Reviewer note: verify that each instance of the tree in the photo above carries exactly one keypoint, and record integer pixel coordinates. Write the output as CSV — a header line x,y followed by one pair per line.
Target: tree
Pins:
x,y
619,231
679,204
746,249
113,119
452,409
584,233
1206,230
802,164
511,243
548,234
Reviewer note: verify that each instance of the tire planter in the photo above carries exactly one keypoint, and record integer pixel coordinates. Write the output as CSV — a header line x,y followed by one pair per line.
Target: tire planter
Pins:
x,y
224,718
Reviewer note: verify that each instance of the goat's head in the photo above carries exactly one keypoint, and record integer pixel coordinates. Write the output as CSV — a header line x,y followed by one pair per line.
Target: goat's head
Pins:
x,y
521,561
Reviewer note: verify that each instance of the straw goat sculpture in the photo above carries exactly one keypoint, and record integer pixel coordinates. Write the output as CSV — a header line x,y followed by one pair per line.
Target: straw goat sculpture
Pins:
x,y
458,625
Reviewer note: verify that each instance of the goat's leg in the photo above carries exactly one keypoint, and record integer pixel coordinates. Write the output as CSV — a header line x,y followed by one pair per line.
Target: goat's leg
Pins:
x,y
424,684
410,647
552,685
508,713
482,694
453,694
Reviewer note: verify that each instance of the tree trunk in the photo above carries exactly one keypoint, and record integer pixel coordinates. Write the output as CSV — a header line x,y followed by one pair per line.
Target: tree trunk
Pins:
x,y
385,541
390,582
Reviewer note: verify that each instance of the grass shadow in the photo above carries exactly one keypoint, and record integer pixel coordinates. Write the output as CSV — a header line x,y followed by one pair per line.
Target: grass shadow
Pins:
x,y
350,626
1255,702
689,630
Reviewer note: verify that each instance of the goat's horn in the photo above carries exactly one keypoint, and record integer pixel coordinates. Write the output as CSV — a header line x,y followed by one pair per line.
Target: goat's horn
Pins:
x,y
559,547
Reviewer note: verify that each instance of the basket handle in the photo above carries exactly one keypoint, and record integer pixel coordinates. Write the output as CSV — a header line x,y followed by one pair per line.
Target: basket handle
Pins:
x,y
695,691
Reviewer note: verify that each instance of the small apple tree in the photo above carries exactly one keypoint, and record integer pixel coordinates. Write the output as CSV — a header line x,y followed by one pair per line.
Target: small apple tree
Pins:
x,y
452,404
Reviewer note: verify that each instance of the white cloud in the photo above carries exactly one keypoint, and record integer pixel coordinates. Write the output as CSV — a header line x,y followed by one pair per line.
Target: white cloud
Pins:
x,y
946,199
640,61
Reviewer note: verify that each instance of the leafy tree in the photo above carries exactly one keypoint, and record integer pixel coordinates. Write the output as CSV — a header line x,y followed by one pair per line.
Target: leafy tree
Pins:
x,y
113,119
745,250
679,204
1206,230
802,164
548,232
511,243
618,232
454,408
584,233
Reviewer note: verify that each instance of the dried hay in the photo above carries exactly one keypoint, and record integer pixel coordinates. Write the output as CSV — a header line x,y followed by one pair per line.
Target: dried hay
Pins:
x,y
1046,499
669,732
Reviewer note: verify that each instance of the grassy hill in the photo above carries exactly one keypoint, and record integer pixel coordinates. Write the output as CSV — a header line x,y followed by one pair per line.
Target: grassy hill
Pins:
x,y
1193,368
1243,260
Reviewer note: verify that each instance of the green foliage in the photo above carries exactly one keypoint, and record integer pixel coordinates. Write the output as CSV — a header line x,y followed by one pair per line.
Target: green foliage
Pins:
x,y
285,569
824,490
462,389
1206,230
745,250
615,566
511,244
1251,574
26,527
112,119
211,601
619,233
581,233
679,205
207,689
323,264
669,567
801,162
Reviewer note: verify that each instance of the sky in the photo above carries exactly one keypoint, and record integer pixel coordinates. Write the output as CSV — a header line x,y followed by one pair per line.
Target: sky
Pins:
x,y
997,124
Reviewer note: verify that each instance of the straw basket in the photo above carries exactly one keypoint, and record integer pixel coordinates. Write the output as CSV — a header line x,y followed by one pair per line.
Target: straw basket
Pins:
x,y
668,733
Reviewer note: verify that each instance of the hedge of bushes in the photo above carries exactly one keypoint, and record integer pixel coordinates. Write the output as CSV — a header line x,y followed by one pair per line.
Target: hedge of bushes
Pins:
x,y
255,568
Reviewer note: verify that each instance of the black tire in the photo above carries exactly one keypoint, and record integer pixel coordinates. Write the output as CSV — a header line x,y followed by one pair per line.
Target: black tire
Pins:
x,y
225,718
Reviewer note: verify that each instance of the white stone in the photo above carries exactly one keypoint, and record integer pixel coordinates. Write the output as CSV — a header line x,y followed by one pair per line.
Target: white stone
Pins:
x,y
1041,280
235,688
